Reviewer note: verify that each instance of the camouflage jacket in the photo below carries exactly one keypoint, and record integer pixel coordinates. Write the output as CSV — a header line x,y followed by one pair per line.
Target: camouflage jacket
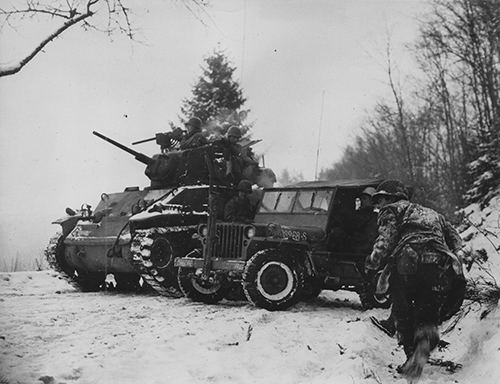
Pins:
x,y
410,234
193,140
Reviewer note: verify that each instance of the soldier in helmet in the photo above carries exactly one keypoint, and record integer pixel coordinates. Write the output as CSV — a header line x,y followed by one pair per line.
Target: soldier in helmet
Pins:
x,y
237,158
231,153
415,249
194,138
239,209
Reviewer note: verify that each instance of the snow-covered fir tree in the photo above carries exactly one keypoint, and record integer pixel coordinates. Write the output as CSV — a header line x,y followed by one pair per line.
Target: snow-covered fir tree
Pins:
x,y
217,98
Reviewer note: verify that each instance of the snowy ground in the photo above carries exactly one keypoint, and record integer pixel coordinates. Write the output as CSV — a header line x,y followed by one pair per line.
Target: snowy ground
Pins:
x,y
51,333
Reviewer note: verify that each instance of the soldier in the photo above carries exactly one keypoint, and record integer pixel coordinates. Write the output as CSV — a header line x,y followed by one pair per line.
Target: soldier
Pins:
x,y
414,247
232,152
194,138
239,208
355,230
238,158
363,228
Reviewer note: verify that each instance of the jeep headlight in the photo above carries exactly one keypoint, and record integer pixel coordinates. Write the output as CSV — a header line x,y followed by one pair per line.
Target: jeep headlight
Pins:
x,y
249,232
203,230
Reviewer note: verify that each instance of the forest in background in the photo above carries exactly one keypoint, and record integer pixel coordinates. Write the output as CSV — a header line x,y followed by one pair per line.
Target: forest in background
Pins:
x,y
440,131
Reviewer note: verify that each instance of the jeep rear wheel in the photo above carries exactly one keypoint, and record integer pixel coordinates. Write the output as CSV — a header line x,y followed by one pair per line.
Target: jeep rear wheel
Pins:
x,y
272,281
209,291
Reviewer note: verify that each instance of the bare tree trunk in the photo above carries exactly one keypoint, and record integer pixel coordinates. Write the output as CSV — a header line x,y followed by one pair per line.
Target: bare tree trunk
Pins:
x,y
400,125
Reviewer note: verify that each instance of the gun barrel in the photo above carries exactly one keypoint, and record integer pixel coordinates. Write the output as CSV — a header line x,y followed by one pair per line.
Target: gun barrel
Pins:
x,y
144,141
138,156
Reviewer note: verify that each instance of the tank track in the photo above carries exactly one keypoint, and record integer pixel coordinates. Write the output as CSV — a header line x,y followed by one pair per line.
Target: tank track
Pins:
x,y
54,246
140,257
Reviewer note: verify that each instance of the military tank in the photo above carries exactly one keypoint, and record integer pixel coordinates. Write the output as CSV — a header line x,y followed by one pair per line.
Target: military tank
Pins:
x,y
139,232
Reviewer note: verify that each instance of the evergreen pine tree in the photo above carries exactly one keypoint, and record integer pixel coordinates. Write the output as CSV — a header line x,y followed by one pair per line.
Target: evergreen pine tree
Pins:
x,y
217,99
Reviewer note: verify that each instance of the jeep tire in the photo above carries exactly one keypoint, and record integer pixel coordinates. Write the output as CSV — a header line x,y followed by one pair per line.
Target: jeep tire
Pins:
x,y
272,280
196,289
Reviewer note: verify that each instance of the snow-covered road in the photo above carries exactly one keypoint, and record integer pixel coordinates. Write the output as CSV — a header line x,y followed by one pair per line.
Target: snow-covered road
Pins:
x,y
53,334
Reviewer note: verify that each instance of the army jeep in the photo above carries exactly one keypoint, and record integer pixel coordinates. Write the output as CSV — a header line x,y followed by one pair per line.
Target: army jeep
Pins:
x,y
299,243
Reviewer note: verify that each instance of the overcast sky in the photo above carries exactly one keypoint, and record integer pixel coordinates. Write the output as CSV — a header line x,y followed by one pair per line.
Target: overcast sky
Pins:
x,y
287,53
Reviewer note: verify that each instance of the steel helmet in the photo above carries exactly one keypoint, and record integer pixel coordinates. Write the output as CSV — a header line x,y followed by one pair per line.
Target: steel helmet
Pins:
x,y
244,186
394,188
194,123
370,191
233,131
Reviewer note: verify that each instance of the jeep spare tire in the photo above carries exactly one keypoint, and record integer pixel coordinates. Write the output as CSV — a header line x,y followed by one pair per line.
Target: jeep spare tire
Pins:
x,y
272,280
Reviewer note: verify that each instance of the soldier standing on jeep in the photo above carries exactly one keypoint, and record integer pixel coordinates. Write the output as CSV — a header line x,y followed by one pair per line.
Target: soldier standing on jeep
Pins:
x,y
239,208
414,247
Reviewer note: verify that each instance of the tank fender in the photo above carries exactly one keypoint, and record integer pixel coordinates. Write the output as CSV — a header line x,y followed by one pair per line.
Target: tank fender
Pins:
x,y
67,223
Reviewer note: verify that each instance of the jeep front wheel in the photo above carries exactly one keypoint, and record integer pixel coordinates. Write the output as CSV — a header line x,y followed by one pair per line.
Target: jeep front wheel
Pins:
x,y
210,290
273,281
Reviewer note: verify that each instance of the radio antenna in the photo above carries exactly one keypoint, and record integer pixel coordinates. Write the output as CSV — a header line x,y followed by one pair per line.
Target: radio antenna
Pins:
x,y
319,134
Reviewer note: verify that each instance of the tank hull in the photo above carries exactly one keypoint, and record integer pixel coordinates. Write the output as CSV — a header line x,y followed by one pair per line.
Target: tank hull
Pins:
x,y
104,247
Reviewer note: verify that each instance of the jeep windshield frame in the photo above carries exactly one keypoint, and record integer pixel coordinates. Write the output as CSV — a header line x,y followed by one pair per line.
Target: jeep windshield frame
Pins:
x,y
309,211
309,201
298,207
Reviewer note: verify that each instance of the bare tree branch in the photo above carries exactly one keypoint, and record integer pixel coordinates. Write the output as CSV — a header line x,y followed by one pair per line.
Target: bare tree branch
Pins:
x,y
10,70
78,12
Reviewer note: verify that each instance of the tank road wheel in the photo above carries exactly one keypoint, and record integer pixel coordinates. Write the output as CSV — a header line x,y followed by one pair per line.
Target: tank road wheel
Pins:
x,y
209,291
272,280
369,299
152,253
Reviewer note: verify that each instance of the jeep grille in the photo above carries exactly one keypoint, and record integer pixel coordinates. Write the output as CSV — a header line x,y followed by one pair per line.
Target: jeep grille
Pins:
x,y
231,240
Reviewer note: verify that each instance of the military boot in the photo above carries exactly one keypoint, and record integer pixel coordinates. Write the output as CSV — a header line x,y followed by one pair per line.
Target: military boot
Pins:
x,y
426,339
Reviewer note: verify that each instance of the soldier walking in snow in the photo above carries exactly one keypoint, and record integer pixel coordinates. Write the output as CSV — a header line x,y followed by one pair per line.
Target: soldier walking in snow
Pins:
x,y
415,249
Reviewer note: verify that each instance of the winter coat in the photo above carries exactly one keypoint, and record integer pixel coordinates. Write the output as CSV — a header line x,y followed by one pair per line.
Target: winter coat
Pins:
x,y
193,140
409,235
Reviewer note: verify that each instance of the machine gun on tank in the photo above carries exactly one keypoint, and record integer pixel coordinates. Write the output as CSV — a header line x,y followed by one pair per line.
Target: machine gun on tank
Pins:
x,y
167,140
